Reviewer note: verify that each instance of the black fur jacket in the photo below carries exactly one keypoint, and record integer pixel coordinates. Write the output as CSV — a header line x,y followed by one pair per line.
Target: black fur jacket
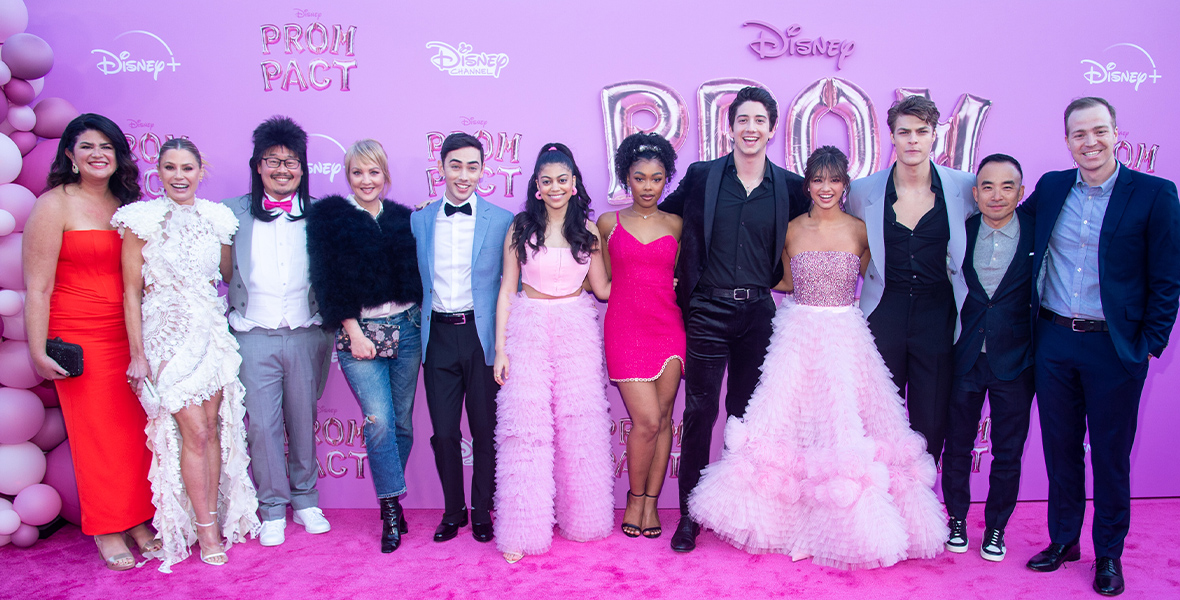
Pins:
x,y
357,261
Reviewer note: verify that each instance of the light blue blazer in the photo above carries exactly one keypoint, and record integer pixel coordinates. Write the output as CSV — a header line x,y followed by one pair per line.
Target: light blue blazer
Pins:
x,y
487,266
866,202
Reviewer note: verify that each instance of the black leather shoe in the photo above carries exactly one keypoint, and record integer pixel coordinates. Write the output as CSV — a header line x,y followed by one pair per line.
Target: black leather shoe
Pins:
x,y
447,530
1108,576
391,516
1051,558
685,538
482,532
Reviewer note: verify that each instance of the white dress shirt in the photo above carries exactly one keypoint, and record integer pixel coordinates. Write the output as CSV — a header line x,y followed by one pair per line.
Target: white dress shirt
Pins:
x,y
453,240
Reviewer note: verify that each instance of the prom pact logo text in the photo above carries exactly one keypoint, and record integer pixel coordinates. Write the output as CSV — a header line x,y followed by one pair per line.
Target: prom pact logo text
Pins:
x,y
112,63
462,61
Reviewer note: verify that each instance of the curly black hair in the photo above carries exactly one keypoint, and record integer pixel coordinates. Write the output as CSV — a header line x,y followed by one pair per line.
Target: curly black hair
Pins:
x,y
644,146
285,132
529,225
124,184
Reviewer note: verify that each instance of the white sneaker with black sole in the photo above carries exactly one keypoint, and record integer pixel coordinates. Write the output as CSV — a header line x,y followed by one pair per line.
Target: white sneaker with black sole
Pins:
x,y
993,545
957,540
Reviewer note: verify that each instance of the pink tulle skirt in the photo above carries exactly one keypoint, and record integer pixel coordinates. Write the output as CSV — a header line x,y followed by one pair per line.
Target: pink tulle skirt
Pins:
x,y
824,463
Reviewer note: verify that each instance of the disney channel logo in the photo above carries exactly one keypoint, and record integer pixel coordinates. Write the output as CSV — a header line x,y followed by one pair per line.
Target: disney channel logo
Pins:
x,y
462,61
773,42
110,63
1109,72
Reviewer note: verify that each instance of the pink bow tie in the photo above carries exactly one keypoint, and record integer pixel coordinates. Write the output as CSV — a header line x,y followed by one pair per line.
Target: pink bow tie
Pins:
x,y
285,205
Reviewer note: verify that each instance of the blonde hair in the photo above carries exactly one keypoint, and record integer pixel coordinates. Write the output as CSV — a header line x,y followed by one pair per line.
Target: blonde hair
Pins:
x,y
371,151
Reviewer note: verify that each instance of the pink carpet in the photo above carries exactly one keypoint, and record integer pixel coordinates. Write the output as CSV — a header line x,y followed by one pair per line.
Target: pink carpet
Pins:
x,y
346,563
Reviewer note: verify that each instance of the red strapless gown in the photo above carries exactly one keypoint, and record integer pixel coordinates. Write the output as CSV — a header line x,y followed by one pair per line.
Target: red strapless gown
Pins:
x,y
104,419
643,329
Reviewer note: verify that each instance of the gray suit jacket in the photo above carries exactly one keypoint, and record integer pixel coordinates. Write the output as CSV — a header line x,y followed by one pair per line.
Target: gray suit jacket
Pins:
x,y
866,202
487,266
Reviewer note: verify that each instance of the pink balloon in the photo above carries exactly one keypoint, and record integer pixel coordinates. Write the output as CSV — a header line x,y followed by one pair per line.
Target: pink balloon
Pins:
x,y
7,223
21,465
16,366
11,270
6,128
37,504
17,200
5,539
10,159
19,92
47,392
14,17
59,473
5,73
26,536
22,118
14,327
36,167
27,55
5,504
9,521
11,302
53,114
21,415
25,140
53,430
3,105
38,85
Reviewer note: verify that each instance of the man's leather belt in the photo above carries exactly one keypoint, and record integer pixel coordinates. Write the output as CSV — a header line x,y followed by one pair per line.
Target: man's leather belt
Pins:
x,y
458,318
1078,325
739,293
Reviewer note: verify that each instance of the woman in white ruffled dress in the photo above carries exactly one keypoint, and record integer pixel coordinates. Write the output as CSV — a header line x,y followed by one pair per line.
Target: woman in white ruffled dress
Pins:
x,y
184,362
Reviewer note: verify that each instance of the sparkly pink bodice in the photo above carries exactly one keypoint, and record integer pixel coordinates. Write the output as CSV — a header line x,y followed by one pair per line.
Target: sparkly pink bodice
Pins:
x,y
825,278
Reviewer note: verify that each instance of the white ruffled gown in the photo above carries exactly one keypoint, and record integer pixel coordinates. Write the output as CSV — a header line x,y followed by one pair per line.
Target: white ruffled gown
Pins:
x,y
824,463
185,330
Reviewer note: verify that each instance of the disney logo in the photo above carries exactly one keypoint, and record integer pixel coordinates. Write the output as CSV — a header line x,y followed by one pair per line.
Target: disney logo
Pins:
x,y
1109,73
462,61
137,124
468,121
110,63
303,13
330,169
773,43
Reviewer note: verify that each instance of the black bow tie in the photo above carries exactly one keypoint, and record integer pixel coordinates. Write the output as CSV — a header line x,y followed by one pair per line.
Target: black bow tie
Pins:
x,y
451,209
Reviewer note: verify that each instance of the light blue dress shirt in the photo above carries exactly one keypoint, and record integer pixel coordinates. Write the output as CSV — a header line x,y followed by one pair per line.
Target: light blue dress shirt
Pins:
x,y
1071,286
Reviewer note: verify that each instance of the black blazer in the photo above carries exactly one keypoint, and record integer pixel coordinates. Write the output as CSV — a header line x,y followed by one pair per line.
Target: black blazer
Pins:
x,y
695,200
1004,319
1138,257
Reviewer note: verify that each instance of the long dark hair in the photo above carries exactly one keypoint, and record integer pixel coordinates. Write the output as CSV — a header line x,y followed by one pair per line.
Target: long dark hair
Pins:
x,y
285,132
529,225
826,160
124,184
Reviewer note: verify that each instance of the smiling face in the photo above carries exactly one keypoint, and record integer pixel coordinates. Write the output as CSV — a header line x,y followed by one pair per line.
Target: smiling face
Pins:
x,y
646,181
366,179
1091,136
912,139
826,189
461,169
997,191
180,173
751,129
282,180
556,184
94,155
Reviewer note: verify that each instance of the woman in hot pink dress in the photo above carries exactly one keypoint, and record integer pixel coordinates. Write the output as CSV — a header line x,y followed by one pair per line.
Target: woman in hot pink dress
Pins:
x,y
644,330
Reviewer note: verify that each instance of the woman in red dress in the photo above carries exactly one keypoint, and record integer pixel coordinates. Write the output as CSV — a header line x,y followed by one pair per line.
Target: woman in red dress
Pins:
x,y
75,291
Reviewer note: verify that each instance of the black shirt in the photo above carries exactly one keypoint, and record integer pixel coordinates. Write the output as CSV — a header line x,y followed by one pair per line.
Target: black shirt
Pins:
x,y
741,253
915,260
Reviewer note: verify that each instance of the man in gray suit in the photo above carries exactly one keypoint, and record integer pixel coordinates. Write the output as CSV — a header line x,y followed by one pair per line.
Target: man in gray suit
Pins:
x,y
461,258
914,287
273,314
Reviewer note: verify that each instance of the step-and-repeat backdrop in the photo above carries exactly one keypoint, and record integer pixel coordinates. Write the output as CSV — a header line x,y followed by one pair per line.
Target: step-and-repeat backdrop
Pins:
x,y
520,74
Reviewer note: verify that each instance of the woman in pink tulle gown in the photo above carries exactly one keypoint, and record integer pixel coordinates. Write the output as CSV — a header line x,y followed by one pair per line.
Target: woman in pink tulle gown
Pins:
x,y
824,463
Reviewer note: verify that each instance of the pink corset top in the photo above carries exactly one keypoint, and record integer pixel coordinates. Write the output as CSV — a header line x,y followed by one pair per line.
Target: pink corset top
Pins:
x,y
554,272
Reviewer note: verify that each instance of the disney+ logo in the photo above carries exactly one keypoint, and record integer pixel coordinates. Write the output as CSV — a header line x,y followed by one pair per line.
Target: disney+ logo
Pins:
x,y
110,63
1109,72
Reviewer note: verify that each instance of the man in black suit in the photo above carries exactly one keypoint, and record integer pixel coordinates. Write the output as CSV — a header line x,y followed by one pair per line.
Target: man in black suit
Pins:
x,y
735,210
1106,253
993,356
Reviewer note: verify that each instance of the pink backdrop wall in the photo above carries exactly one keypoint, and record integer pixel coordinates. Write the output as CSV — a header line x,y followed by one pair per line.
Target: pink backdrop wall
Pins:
x,y
534,72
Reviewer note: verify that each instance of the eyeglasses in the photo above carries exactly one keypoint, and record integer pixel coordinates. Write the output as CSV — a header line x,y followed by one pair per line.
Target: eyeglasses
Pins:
x,y
273,163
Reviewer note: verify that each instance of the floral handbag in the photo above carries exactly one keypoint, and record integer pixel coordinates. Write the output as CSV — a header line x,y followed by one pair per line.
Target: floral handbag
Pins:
x,y
383,335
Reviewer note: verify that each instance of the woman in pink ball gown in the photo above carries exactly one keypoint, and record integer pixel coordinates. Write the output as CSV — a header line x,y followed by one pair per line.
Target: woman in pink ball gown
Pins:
x,y
824,463
644,330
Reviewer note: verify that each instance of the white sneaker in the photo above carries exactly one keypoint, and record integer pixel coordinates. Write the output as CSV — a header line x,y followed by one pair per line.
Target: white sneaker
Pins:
x,y
312,519
272,533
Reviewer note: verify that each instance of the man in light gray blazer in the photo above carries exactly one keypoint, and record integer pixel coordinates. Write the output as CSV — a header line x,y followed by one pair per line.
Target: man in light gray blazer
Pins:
x,y
461,258
914,287
273,315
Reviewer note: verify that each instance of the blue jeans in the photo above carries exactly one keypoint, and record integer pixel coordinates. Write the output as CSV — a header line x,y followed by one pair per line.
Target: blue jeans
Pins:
x,y
384,389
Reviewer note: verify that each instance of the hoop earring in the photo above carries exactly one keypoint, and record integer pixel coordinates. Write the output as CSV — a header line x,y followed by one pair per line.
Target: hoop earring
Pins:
x,y
74,167
538,194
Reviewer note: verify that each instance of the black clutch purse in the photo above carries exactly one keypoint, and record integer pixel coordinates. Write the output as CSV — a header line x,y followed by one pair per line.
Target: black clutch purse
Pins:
x,y
68,355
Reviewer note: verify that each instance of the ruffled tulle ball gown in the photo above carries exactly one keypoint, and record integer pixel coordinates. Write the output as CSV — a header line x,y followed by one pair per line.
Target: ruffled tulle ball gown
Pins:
x,y
824,463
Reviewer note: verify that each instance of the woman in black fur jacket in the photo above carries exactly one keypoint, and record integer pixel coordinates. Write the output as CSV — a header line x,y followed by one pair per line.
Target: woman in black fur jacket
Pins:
x,y
364,269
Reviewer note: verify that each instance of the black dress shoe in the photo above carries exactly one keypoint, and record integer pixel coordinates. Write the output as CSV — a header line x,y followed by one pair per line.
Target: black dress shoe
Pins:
x,y
685,538
391,516
447,530
1108,576
482,532
1051,558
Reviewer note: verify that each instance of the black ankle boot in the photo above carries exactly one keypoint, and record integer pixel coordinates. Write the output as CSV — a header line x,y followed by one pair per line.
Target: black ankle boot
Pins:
x,y
391,516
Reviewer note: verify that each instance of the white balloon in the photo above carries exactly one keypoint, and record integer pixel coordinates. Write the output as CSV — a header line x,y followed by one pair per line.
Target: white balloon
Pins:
x,y
22,118
5,74
38,85
10,159
11,304
7,223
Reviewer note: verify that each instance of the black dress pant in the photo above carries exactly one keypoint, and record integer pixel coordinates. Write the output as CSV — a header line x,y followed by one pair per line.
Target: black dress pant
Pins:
x,y
455,367
1080,382
915,334
721,332
1011,402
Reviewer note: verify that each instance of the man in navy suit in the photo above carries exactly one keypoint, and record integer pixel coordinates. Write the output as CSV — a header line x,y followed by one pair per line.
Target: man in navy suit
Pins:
x,y
1106,253
993,356
461,257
